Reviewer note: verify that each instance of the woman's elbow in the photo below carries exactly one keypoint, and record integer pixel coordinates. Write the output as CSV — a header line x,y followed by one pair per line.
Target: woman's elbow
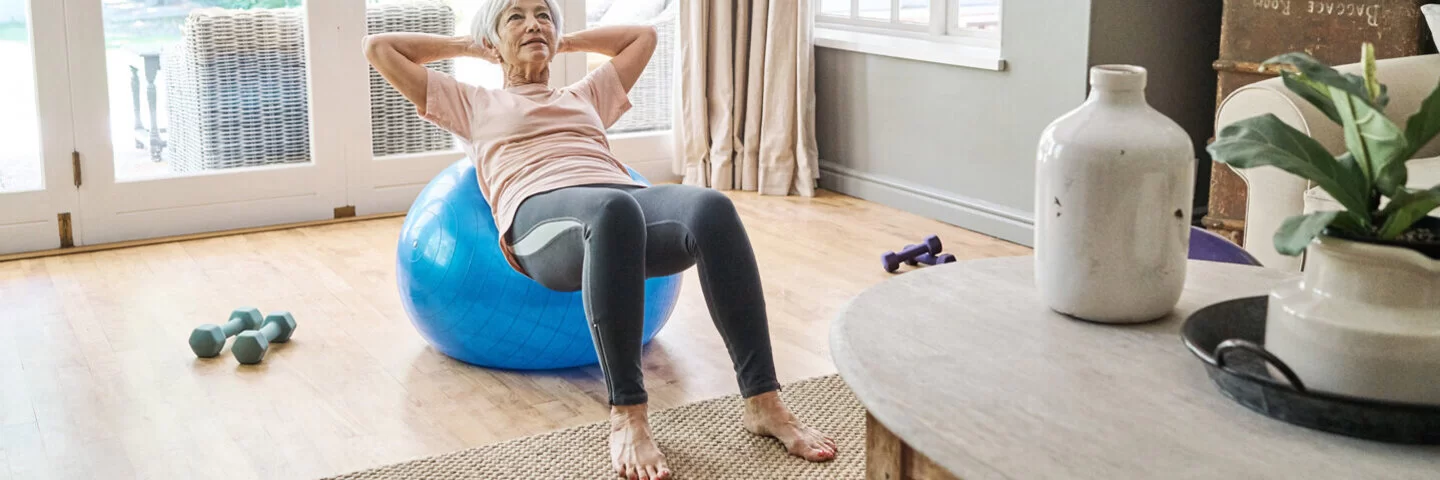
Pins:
x,y
371,45
648,34
647,38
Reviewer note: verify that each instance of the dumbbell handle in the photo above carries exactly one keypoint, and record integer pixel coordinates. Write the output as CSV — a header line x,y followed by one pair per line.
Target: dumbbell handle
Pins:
x,y
912,251
270,330
233,327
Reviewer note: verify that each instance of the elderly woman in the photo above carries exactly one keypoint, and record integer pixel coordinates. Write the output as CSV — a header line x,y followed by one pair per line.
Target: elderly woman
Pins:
x,y
572,218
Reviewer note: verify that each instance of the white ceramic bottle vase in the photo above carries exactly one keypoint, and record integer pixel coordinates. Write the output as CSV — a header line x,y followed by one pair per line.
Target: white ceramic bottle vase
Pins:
x,y
1114,181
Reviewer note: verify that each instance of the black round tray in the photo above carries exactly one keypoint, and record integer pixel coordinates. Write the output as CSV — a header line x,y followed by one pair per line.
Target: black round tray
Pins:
x,y
1230,336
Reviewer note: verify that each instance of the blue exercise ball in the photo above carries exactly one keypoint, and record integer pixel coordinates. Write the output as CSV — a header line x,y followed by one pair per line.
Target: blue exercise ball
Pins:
x,y
467,301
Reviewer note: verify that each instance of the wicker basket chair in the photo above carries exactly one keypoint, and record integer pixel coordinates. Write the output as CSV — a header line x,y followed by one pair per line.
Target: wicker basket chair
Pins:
x,y
236,85
237,92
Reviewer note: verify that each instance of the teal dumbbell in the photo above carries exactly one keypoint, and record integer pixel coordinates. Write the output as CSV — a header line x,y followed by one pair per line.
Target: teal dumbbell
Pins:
x,y
250,347
207,340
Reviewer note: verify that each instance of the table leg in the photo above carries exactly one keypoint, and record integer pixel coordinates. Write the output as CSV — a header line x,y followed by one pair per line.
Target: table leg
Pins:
x,y
135,99
152,65
887,457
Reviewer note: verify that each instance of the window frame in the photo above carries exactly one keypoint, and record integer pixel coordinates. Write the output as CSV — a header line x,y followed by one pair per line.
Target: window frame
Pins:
x,y
944,22
942,40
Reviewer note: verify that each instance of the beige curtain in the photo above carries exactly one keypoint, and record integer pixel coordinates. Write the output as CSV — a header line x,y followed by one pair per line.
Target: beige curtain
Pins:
x,y
746,109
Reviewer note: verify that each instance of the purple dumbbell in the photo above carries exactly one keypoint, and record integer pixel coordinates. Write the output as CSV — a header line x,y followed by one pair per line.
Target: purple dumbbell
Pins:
x,y
929,259
892,260
913,261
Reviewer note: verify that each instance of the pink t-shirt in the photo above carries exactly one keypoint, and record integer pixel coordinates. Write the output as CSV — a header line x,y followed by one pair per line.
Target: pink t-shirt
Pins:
x,y
530,139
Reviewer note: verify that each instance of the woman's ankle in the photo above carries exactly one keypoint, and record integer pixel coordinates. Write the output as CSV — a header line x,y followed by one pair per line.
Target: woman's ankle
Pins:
x,y
629,412
766,399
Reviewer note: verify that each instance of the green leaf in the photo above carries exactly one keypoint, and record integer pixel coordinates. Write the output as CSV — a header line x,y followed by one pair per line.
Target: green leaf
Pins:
x,y
1372,82
1298,231
1376,143
1349,222
1322,74
1267,141
1424,125
1373,140
1406,208
1318,94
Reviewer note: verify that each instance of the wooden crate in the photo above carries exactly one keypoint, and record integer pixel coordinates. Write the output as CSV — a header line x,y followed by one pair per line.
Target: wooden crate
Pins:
x,y
1332,31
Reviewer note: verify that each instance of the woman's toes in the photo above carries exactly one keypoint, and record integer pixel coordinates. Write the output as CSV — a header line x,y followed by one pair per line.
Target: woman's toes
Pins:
x,y
827,452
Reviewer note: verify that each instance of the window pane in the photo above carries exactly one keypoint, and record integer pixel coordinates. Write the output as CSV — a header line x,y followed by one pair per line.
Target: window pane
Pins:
x,y
839,8
20,127
875,10
651,96
978,14
200,85
394,127
915,11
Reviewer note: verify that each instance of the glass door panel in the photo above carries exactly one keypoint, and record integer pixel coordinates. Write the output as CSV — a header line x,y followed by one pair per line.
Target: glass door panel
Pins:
x,y
200,86
395,129
21,167
405,151
37,192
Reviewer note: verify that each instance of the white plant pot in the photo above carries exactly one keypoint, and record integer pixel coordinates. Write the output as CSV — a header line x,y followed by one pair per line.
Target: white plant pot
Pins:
x,y
1363,320
1113,193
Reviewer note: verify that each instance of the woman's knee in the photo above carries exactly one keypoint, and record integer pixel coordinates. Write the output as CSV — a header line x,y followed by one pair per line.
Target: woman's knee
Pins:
x,y
615,211
710,209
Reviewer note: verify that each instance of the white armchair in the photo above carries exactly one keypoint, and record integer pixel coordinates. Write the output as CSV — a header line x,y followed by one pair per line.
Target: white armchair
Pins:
x,y
1273,195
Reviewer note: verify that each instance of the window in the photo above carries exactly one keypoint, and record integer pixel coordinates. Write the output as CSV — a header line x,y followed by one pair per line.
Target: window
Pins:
x,y
956,32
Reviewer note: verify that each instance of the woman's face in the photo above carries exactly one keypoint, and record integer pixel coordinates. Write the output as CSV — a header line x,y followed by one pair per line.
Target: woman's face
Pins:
x,y
527,33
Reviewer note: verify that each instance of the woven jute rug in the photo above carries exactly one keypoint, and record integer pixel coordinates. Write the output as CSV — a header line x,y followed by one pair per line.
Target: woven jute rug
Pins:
x,y
702,440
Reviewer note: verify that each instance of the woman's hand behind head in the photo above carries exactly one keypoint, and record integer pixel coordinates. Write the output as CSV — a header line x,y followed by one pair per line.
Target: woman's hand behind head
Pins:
x,y
483,50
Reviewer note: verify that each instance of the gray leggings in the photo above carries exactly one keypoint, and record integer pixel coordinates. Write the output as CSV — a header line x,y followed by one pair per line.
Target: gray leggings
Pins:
x,y
605,240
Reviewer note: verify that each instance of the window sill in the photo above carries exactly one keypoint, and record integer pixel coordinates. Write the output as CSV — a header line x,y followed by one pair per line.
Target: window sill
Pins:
x,y
925,50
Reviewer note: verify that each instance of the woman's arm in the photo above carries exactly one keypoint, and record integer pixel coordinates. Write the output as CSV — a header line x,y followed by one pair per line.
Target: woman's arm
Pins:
x,y
400,57
629,47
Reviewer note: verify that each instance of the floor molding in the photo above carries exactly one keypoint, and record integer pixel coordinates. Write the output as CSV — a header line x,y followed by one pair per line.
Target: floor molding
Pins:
x,y
193,236
973,214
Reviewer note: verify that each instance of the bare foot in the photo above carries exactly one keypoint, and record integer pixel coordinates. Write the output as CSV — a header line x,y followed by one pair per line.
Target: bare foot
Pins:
x,y
766,415
632,452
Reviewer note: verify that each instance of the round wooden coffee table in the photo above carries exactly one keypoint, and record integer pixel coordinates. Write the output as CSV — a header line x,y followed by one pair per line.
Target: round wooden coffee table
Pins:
x,y
965,374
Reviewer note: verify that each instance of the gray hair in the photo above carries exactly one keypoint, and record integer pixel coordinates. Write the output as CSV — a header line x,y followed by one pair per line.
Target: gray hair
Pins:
x,y
487,19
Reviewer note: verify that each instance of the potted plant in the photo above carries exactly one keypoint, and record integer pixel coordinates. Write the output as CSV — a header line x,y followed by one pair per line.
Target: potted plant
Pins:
x,y
1364,317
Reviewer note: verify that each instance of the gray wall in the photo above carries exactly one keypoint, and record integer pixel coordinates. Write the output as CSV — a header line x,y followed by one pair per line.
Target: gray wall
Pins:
x,y
1176,41
958,144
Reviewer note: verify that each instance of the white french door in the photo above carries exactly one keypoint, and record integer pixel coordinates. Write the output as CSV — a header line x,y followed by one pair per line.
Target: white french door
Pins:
x,y
37,193
154,118
192,119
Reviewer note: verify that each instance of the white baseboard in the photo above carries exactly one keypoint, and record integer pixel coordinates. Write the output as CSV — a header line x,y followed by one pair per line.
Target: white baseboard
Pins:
x,y
969,213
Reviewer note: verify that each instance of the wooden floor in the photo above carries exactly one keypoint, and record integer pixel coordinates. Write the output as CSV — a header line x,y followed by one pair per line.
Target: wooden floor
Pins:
x,y
97,381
